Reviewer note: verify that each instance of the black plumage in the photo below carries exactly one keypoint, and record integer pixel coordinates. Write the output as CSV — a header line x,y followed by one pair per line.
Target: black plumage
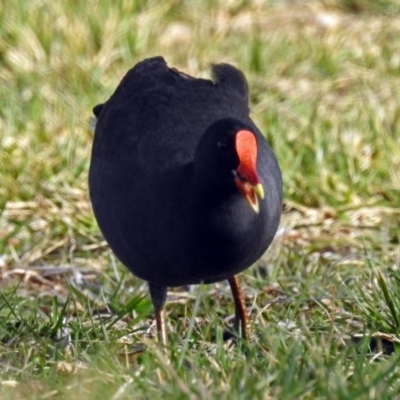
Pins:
x,y
164,183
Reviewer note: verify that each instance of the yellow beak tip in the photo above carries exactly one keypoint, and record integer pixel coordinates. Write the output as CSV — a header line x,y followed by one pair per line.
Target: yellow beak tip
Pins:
x,y
259,190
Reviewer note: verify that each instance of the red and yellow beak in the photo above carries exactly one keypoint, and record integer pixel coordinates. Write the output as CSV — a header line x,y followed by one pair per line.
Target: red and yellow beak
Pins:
x,y
246,177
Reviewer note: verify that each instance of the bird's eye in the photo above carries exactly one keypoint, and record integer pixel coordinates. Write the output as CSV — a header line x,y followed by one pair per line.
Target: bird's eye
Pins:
x,y
222,146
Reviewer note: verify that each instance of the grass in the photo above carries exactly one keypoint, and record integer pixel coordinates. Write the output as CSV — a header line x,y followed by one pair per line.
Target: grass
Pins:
x,y
324,78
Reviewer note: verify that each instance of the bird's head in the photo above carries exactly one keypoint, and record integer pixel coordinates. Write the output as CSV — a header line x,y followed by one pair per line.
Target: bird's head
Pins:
x,y
227,156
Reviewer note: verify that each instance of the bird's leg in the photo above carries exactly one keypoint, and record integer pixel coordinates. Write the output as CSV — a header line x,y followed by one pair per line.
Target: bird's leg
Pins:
x,y
158,297
241,318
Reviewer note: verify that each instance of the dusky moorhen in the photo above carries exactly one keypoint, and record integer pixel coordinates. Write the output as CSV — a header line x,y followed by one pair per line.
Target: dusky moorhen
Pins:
x,y
184,187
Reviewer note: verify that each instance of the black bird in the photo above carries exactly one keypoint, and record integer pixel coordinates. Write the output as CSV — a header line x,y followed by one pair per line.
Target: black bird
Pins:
x,y
184,187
